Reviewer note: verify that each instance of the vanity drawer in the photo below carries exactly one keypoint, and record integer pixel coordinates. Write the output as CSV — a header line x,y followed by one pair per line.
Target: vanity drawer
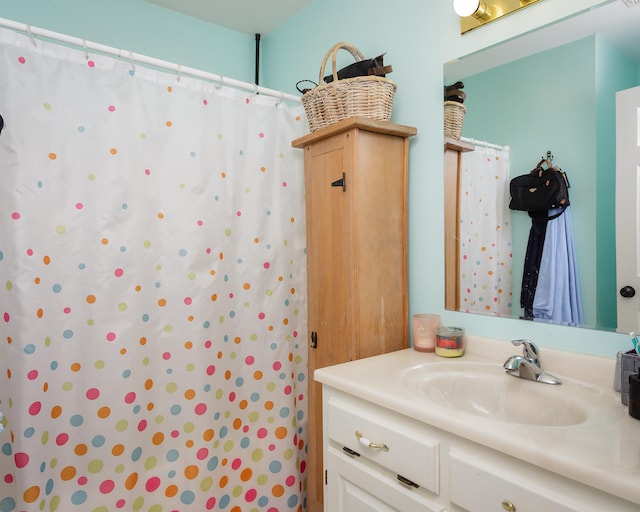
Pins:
x,y
355,487
404,450
478,485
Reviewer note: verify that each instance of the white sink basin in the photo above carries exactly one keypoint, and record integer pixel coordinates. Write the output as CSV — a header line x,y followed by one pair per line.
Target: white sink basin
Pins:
x,y
484,389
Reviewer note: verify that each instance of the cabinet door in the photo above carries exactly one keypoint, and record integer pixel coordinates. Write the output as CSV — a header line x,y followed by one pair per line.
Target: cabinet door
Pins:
x,y
329,265
328,272
355,487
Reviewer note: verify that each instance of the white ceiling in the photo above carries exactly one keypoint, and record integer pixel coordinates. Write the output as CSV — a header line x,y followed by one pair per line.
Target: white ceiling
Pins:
x,y
248,16
263,16
616,23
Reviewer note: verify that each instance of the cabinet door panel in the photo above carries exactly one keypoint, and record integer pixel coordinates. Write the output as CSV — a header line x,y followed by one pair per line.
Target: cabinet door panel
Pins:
x,y
328,254
328,275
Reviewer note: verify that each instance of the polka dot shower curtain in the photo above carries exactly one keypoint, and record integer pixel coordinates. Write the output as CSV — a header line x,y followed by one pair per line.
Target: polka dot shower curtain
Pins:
x,y
485,232
152,299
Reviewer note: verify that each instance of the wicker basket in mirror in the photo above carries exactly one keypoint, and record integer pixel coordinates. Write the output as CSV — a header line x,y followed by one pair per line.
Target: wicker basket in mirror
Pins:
x,y
453,118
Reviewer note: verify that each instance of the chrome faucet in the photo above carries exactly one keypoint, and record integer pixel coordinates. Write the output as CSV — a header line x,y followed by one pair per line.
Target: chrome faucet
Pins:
x,y
528,365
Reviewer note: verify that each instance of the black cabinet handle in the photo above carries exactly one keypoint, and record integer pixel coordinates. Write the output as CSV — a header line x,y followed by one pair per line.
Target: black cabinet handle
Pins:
x,y
340,183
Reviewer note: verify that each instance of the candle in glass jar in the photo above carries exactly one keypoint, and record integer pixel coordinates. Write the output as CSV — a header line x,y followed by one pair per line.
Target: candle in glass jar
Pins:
x,y
424,331
450,341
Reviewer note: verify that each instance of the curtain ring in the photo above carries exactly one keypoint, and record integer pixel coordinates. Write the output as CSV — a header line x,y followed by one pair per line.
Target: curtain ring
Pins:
x,y
220,82
30,34
132,71
84,46
179,73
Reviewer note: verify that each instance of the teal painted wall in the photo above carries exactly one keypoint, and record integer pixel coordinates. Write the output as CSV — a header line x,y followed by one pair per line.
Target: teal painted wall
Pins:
x,y
143,28
418,36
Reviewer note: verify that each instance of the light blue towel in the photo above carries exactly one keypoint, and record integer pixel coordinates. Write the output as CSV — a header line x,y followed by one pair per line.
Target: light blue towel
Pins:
x,y
557,299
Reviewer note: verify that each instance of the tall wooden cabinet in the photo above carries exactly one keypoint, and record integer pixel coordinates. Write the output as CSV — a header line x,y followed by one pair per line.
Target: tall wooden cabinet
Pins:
x,y
356,214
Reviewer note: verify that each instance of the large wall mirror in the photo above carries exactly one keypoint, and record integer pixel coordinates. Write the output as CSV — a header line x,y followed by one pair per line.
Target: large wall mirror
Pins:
x,y
546,94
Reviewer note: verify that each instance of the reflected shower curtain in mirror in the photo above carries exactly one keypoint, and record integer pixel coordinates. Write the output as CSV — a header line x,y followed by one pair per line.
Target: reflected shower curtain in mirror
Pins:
x,y
152,261
485,232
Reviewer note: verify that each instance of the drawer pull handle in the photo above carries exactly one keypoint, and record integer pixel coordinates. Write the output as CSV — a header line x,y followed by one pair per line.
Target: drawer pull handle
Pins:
x,y
368,444
508,506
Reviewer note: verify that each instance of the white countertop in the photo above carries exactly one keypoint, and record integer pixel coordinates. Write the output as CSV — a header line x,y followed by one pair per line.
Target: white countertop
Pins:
x,y
602,452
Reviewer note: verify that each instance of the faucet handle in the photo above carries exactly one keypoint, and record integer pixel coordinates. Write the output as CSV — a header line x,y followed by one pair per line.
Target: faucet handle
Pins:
x,y
530,351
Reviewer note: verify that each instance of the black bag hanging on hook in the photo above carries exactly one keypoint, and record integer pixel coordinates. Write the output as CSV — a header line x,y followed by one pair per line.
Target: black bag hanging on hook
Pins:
x,y
539,191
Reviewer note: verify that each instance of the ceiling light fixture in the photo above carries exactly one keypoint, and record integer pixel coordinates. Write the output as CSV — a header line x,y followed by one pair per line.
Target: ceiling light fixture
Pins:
x,y
475,13
475,8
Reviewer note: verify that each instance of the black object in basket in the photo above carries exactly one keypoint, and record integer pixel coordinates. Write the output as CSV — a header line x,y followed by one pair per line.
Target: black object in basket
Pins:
x,y
364,67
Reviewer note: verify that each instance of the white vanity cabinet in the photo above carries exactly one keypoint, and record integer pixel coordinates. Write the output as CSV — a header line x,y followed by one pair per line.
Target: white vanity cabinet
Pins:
x,y
377,460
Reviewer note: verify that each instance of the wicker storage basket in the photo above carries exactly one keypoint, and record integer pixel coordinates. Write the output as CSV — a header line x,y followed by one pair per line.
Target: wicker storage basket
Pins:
x,y
363,96
453,117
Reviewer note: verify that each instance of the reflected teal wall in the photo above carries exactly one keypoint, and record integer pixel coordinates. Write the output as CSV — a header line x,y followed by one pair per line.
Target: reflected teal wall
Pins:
x,y
545,103
562,100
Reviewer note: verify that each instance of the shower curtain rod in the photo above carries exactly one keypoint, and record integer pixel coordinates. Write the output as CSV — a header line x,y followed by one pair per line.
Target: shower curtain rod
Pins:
x,y
484,143
144,59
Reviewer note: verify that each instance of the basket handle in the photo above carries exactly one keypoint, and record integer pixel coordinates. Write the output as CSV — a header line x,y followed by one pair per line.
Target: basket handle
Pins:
x,y
333,51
